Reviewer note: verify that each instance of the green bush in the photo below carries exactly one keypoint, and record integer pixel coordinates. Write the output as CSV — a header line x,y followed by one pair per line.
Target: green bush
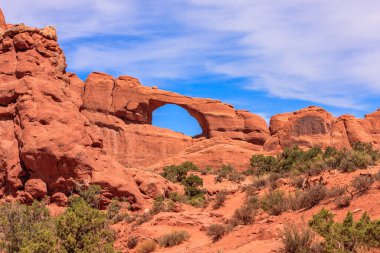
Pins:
x,y
197,201
348,236
113,210
82,228
228,172
315,160
192,181
90,194
175,173
27,229
174,238
216,231
261,164
275,202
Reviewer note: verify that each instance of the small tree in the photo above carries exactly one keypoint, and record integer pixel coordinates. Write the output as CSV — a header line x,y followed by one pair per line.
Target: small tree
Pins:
x,y
84,229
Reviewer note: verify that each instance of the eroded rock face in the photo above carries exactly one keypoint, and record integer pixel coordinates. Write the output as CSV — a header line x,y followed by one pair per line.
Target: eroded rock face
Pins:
x,y
313,126
47,144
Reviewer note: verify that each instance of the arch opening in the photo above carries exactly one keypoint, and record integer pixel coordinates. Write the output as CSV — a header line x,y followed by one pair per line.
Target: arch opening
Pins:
x,y
178,118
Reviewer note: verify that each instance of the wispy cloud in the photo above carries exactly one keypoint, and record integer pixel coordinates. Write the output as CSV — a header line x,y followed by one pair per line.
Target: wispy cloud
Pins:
x,y
321,51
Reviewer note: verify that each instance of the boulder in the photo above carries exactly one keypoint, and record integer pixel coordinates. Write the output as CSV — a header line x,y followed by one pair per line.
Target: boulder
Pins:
x,y
36,188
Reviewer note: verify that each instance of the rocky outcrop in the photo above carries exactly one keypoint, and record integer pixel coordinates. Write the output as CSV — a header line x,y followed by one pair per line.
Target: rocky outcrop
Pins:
x,y
48,146
313,126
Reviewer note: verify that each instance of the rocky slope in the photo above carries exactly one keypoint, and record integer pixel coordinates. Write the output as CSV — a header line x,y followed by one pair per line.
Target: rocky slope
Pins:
x,y
58,131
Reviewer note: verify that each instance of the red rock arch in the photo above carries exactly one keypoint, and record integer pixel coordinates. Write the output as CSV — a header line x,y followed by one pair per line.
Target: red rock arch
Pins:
x,y
155,104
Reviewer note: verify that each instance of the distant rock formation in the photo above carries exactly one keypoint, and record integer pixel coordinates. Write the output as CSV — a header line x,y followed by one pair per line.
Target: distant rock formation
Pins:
x,y
57,131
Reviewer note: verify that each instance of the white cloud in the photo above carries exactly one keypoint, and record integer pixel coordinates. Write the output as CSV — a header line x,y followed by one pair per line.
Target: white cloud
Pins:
x,y
321,51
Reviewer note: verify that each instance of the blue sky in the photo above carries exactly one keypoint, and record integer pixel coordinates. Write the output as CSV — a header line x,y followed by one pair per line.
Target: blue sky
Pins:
x,y
267,56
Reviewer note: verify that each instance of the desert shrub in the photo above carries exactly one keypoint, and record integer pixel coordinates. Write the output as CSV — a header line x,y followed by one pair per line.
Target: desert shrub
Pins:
x,y
162,204
274,202
273,177
146,246
197,201
132,242
343,201
174,238
220,198
175,173
192,181
236,177
361,184
366,148
27,229
348,236
194,194
176,197
206,171
228,172
82,228
259,183
297,182
216,231
298,239
314,161
245,215
223,173
113,210
90,194
312,196
336,191
189,166
261,164
142,218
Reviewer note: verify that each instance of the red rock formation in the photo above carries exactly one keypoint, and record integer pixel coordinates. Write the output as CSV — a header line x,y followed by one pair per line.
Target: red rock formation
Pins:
x,y
45,137
313,126
57,131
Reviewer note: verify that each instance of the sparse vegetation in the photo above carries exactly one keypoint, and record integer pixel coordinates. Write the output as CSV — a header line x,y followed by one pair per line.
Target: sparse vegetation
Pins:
x,y
343,201
312,196
216,231
228,172
275,202
348,236
336,191
132,242
220,198
174,238
362,183
177,173
146,246
298,239
315,160
245,215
